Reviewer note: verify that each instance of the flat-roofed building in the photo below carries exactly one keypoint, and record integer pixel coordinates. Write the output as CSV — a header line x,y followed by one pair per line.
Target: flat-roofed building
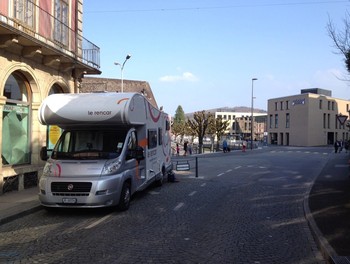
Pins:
x,y
311,118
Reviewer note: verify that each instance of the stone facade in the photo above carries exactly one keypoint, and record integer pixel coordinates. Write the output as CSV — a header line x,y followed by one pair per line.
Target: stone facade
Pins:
x,y
39,55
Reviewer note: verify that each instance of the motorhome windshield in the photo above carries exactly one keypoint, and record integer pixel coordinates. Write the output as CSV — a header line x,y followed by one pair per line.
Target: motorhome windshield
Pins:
x,y
89,144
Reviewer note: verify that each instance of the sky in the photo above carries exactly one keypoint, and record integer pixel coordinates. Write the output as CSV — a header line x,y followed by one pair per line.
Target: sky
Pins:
x,y
203,54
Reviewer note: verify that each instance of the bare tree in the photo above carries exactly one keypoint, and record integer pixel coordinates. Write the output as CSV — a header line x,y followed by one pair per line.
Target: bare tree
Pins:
x,y
341,39
200,125
219,129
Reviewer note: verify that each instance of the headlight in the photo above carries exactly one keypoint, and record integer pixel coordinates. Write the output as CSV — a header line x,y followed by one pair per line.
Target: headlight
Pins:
x,y
47,169
111,167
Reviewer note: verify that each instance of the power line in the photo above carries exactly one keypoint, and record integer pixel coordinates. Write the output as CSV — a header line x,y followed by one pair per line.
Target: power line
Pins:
x,y
217,7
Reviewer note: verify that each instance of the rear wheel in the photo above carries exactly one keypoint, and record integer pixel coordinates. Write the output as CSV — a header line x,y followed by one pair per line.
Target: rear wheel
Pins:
x,y
159,182
125,197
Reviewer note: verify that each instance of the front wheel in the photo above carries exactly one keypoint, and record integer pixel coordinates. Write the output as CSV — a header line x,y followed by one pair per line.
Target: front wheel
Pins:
x,y
125,197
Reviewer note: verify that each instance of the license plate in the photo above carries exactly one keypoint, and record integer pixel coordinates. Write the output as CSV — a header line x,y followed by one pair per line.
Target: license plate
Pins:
x,y
69,200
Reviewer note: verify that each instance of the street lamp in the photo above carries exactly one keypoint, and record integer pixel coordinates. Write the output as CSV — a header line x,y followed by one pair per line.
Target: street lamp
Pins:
x,y
121,69
252,117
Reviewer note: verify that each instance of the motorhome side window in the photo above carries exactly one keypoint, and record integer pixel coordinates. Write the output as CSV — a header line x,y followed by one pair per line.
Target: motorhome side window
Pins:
x,y
152,138
167,125
160,133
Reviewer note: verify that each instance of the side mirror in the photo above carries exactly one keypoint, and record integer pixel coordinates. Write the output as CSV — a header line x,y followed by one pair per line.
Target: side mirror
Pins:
x,y
139,153
43,153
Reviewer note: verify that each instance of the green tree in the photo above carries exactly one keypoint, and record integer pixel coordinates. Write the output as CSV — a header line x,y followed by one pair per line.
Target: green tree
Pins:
x,y
341,39
200,125
179,122
219,128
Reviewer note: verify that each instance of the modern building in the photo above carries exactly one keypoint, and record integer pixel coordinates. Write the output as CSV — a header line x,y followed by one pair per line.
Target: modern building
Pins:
x,y
240,122
311,118
42,51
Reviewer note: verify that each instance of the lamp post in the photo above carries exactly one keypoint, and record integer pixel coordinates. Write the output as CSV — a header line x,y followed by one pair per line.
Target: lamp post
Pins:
x,y
252,116
121,70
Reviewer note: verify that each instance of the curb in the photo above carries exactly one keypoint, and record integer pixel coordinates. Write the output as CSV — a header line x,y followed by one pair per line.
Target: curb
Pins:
x,y
30,209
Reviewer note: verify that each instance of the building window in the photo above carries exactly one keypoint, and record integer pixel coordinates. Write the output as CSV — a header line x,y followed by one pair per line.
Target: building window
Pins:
x,y
328,120
24,11
276,120
324,120
333,106
329,105
61,22
281,105
287,120
287,105
336,121
320,104
276,106
270,121
16,121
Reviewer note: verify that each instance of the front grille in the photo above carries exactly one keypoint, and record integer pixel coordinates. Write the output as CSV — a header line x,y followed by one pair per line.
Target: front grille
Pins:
x,y
69,194
71,188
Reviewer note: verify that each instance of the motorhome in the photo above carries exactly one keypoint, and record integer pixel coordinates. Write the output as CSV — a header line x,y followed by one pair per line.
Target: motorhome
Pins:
x,y
111,145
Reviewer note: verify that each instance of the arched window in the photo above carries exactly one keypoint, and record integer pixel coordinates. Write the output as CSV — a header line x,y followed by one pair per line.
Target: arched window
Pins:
x,y
16,121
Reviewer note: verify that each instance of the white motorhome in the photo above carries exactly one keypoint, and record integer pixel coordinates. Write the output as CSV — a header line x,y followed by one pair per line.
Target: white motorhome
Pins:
x,y
112,145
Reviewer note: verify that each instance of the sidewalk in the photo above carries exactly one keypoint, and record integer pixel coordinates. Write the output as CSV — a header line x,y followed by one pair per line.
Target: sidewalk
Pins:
x,y
18,203
327,208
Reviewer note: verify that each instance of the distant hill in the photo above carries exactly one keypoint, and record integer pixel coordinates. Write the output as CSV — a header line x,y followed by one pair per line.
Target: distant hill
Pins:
x,y
239,109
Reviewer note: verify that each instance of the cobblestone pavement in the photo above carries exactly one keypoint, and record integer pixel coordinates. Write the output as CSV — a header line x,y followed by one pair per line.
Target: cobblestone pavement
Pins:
x,y
244,208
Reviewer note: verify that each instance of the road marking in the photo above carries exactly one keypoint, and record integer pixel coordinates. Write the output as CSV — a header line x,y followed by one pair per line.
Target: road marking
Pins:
x,y
192,193
177,207
341,165
98,222
238,167
229,170
203,184
220,174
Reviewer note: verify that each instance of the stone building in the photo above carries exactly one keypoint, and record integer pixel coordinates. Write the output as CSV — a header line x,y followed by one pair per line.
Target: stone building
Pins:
x,y
42,51
92,84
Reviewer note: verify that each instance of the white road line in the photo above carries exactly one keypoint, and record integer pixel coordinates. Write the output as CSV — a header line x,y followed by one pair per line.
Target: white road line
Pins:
x,y
203,184
220,174
192,193
229,170
238,167
99,221
177,207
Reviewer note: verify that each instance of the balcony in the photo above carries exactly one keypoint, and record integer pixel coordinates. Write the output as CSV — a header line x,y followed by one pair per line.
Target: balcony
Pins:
x,y
55,43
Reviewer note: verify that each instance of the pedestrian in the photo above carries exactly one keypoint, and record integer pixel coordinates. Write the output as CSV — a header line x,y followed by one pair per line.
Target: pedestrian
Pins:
x,y
244,145
190,149
346,146
224,146
185,148
177,149
341,144
336,146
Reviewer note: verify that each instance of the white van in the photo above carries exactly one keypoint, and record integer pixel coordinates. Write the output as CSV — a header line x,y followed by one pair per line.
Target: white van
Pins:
x,y
112,145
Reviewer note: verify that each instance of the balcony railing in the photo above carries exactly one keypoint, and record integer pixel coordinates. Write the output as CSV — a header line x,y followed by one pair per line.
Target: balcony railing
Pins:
x,y
34,22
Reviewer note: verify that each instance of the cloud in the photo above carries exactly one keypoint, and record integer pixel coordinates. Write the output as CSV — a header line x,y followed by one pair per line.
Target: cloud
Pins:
x,y
186,76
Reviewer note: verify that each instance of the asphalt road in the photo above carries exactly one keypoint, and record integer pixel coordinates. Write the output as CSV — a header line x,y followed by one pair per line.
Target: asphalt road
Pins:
x,y
243,208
